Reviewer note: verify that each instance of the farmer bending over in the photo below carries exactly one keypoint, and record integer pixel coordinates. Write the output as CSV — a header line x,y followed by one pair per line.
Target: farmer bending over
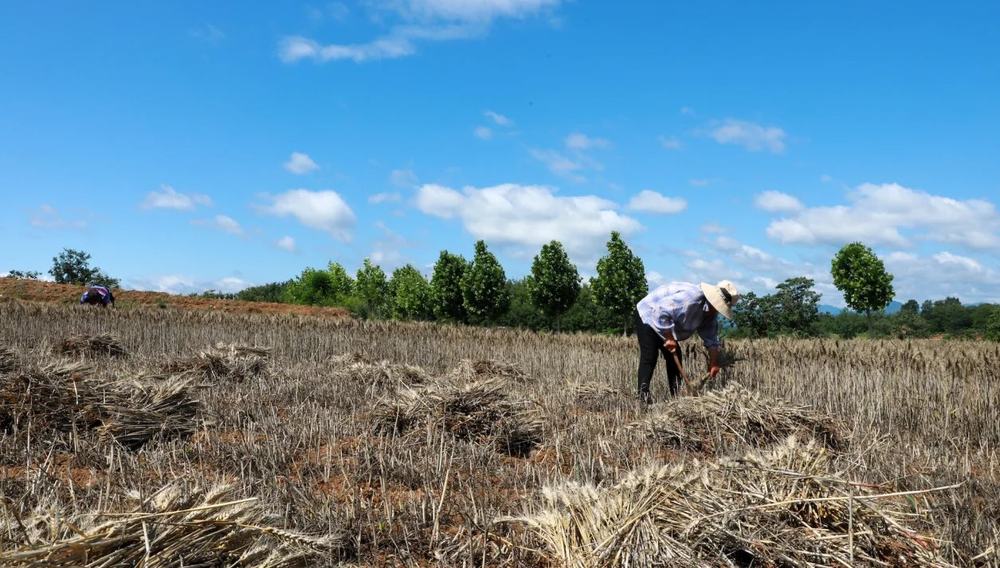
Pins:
x,y
98,296
671,313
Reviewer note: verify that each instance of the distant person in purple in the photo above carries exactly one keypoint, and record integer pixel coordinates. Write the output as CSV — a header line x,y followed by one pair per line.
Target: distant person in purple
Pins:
x,y
98,296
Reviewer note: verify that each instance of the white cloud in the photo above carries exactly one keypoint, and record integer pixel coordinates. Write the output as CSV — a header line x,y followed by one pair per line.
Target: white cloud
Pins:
x,y
483,132
169,198
498,118
299,164
777,202
762,271
671,142
714,228
578,141
403,178
653,202
941,275
385,197
286,243
526,217
878,215
419,20
559,164
179,284
46,217
322,210
208,33
750,135
477,11
387,251
222,223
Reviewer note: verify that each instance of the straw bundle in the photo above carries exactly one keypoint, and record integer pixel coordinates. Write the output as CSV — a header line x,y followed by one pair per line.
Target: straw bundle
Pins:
x,y
480,411
235,363
8,360
66,398
54,398
167,410
377,375
469,369
735,417
101,344
204,528
783,508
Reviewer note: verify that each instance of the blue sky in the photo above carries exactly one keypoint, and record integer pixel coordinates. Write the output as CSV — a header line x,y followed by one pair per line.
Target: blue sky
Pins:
x,y
193,145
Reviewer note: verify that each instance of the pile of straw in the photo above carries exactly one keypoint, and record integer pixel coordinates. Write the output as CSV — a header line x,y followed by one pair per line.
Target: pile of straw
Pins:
x,y
591,393
8,360
94,345
735,417
378,375
481,411
469,369
67,398
234,363
783,508
53,398
203,528
166,410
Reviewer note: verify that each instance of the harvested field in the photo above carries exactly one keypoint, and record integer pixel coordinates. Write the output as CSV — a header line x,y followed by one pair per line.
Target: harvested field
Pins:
x,y
256,440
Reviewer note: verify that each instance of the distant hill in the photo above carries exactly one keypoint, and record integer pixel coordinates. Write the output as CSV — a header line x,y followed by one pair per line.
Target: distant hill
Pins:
x,y
828,309
892,308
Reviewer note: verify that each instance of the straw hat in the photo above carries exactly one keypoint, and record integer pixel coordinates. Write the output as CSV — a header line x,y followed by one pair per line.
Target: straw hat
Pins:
x,y
722,297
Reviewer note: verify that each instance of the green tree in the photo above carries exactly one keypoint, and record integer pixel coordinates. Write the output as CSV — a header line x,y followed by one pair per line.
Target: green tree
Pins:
x,y
862,277
446,287
992,331
554,283
372,287
948,316
73,267
522,313
620,281
904,324
910,307
797,306
274,292
412,294
24,274
587,315
331,287
484,286
754,316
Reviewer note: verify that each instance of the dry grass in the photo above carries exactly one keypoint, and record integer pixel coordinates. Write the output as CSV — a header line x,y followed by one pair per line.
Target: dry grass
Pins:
x,y
405,444
785,507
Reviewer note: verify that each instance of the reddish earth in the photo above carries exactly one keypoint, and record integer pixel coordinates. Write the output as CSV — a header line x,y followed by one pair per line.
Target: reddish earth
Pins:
x,y
50,292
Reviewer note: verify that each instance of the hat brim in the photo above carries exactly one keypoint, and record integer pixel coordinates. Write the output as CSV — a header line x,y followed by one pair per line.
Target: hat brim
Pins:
x,y
715,297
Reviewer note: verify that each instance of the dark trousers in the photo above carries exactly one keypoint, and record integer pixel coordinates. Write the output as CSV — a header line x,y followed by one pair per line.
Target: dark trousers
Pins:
x,y
651,345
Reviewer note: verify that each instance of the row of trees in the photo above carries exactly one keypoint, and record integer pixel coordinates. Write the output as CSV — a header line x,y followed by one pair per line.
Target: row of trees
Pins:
x,y
477,291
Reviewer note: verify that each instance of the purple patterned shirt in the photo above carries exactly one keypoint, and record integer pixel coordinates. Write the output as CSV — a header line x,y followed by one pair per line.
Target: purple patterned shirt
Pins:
x,y
681,308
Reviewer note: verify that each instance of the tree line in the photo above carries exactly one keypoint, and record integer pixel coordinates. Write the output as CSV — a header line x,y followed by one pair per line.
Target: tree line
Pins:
x,y
555,297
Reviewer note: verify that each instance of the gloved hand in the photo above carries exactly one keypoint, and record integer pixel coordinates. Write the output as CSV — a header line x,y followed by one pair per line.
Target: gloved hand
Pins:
x,y
671,345
712,371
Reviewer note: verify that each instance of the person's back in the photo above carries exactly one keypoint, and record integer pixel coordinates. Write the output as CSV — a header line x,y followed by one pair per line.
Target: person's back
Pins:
x,y
98,295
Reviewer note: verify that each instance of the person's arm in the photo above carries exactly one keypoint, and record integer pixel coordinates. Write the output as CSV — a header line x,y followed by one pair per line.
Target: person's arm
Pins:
x,y
713,361
709,332
668,340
